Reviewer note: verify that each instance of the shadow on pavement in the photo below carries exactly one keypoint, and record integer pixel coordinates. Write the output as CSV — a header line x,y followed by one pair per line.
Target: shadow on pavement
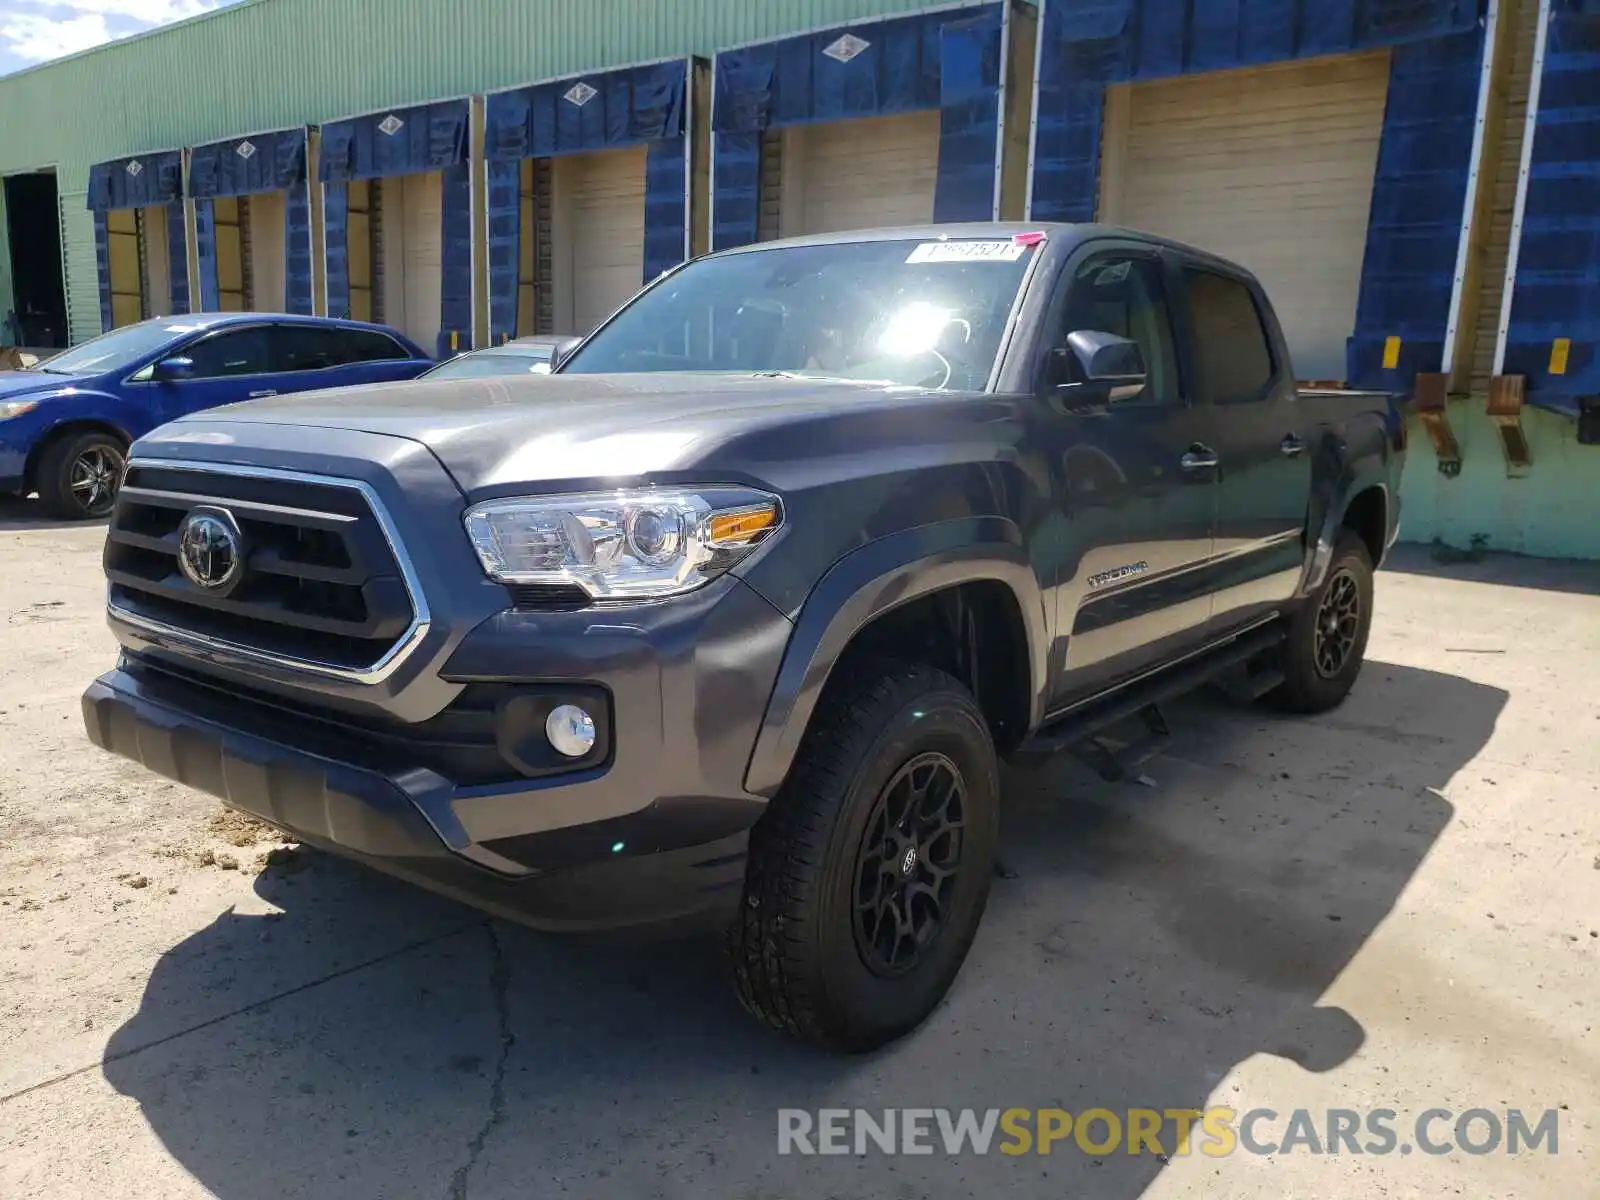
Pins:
x,y
372,1041
18,515
1580,578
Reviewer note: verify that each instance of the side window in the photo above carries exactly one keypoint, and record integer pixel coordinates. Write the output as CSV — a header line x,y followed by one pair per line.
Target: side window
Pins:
x,y
362,345
1123,294
307,348
1233,359
237,352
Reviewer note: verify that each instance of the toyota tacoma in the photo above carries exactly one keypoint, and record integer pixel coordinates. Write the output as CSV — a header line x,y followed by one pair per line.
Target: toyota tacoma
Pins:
x,y
734,614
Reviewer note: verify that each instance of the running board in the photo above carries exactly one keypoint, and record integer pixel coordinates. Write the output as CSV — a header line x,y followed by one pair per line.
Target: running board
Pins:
x,y
1083,721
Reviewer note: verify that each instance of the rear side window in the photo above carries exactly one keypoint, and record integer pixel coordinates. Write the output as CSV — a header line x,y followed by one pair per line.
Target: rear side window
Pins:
x,y
307,348
363,345
1233,358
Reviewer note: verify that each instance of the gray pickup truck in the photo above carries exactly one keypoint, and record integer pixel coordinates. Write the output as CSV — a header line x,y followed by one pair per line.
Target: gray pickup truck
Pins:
x,y
735,613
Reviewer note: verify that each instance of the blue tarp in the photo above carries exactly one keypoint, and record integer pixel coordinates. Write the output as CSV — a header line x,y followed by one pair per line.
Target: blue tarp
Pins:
x,y
263,162
947,60
576,115
404,141
1557,289
1418,197
1420,189
400,141
136,182
140,181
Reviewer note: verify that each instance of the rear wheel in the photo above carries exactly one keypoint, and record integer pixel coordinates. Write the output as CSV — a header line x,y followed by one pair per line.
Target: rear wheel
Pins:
x,y
1327,640
79,475
868,876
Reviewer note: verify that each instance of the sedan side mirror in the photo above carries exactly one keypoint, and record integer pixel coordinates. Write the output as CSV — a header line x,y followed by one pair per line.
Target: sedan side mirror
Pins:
x,y
1097,368
169,369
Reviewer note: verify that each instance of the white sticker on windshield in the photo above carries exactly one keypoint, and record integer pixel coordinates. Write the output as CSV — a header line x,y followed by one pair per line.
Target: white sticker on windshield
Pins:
x,y
936,252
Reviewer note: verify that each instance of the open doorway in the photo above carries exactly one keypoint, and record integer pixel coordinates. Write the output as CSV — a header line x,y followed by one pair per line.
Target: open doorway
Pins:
x,y
38,318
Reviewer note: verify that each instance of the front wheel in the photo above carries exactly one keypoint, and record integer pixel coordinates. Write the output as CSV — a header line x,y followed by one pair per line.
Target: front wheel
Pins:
x,y
1327,640
79,476
868,876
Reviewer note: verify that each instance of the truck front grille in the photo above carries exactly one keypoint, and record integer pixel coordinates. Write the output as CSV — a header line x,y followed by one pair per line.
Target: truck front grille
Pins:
x,y
319,585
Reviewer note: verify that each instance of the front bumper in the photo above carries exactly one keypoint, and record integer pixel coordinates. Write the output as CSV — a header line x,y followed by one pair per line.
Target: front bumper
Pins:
x,y
400,821
655,832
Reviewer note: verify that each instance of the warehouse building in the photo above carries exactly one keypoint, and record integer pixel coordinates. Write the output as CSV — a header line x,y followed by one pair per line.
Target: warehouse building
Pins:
x,y
1412,179
591,191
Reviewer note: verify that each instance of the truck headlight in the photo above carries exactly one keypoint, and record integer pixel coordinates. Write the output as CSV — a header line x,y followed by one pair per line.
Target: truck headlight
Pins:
x,y
632,544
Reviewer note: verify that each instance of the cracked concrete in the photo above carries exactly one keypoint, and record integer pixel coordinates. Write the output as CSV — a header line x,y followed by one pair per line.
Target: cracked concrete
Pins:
x,y
1388,907
499,984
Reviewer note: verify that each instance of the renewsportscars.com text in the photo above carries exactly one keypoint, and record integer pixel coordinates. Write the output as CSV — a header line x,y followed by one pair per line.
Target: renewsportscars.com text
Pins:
x,y
1214,1132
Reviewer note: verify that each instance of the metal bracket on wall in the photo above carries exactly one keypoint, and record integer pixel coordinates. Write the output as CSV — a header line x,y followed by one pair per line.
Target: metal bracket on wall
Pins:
x,y
1505,410
1429,399
1589,421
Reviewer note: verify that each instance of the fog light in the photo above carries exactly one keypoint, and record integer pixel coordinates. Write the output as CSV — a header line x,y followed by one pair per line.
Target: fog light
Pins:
x,y
570,730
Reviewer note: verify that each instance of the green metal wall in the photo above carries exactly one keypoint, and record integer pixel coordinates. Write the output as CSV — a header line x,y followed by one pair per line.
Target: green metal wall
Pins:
x,y
7,296
1547,510
270,64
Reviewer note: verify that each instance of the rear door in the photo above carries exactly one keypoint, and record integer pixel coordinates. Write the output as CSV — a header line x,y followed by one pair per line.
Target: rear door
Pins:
x,y
1242,371
1135,522
309,357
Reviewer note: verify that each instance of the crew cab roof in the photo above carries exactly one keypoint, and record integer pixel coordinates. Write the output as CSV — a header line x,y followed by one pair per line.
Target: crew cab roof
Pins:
x,y
1058,234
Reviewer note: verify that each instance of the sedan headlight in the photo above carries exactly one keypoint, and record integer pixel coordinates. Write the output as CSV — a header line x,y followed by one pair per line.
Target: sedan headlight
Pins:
x,y
15,408
636,544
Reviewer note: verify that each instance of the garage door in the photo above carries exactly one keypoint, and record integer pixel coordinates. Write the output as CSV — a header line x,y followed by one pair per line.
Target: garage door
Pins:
x,y
606,219
1271,168
860,174
412,259
266,242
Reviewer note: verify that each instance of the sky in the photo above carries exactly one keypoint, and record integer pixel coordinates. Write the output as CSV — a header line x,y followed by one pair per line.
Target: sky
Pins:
x,y
35,31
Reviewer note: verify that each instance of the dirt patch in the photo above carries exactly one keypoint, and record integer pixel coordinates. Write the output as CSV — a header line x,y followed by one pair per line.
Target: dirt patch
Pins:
x,y
239,830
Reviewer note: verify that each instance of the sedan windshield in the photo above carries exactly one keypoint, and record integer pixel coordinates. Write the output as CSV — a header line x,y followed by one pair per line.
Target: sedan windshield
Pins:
x,y
117,350
920,313
487,363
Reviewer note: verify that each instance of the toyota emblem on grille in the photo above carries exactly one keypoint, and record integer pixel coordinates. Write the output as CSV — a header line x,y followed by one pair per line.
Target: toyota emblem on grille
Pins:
x,y
211,549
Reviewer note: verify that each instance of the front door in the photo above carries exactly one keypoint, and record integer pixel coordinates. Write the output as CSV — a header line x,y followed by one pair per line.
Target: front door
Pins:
x,y
1242,371
1135,487
233,365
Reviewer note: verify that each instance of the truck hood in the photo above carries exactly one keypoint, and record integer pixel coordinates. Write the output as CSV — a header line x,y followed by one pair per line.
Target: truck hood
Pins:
x,y
522,429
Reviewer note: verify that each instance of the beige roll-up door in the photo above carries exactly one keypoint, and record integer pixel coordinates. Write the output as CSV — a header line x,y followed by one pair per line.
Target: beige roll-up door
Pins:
x,y
1270,167
412,255
157,260
860,174
1523,16
267,213
599,214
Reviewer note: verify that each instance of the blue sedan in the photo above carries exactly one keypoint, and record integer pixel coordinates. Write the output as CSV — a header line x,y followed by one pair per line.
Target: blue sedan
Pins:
x,y
66,423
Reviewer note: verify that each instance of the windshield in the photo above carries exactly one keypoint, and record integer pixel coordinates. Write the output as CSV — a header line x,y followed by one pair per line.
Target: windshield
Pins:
x,y
119,349
922,313
491,362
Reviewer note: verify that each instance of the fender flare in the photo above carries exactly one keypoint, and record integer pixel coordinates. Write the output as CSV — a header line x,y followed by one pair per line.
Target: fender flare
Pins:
x,y
870,581
1358,477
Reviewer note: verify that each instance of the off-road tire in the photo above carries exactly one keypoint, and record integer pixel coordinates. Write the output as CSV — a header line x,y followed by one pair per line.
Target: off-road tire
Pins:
x,y
54,478
1306,688
794,944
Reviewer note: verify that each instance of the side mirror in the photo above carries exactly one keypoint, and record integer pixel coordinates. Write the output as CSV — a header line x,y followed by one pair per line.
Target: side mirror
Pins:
x,y
1097,368
169,369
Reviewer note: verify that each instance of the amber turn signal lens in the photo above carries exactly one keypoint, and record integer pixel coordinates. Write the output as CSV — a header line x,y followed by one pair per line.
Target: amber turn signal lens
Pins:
x,y
736,528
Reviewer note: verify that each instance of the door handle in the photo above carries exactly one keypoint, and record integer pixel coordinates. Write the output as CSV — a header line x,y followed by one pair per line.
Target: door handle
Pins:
x,y
1199,458
1292,446
266,392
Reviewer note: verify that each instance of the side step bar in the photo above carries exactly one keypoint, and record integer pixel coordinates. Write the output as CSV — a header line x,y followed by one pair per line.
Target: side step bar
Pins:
x,y
1082,722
